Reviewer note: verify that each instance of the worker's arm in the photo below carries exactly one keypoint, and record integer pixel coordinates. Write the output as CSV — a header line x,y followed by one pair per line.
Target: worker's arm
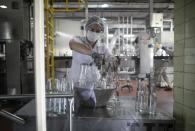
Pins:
x,y
79,47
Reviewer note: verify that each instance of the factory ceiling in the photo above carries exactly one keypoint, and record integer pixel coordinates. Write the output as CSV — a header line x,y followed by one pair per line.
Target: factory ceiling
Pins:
x,y
115,8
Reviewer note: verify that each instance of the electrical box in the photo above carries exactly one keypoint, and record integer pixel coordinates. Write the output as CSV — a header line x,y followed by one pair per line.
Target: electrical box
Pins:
x,y
157,20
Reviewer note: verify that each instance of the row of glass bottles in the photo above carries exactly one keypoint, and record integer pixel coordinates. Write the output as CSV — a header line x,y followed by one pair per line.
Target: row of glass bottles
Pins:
x,y
145,97
61,85
85,76
57,106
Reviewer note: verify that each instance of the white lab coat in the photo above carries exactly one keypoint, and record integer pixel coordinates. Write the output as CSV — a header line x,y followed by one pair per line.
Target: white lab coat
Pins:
x,y
161,52
77,61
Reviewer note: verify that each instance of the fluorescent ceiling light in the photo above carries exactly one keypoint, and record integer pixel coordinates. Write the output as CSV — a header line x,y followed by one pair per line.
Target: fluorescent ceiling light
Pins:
x,y
3,6
104,5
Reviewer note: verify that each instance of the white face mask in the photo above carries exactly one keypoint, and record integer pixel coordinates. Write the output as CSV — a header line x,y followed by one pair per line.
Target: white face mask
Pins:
x,y
92,36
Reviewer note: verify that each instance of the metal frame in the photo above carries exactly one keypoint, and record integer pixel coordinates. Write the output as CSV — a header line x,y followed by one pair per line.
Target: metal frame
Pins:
x,y
125,28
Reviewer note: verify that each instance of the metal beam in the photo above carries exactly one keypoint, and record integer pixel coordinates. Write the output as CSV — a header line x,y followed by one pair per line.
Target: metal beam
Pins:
x,y
109,14
31,96
126,26
116,5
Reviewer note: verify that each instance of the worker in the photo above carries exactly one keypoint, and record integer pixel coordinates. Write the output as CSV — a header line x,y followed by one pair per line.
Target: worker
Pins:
x,y
160,51
85,51
160,69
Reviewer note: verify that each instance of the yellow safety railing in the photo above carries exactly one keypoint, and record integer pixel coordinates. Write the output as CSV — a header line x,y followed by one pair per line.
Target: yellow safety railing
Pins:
x,y
67,9
49,34
49,39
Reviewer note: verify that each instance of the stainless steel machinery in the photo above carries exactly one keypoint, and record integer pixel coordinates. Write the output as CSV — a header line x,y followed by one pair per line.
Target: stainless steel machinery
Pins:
x,y
15,49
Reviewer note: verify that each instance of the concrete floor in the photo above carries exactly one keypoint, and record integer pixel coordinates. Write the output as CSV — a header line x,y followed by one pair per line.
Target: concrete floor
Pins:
x,y
164,98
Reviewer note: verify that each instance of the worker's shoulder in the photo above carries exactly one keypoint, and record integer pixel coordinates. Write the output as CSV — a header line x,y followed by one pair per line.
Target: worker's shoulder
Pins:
x,y
81,39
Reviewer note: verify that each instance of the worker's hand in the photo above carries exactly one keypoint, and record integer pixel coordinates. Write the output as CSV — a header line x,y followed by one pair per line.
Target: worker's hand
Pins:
x,y
98,58
95,55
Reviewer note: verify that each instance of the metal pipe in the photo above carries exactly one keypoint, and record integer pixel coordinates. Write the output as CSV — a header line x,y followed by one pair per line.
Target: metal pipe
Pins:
x,y
70,109
127,30
131,25
107,40
39,51
12,117
107,14
119,40
116,5
24,96
123,21
65,10
86,10
150,11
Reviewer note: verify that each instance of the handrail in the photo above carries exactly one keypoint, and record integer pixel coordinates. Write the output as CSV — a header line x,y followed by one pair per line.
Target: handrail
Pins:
x,y
67,9
12,117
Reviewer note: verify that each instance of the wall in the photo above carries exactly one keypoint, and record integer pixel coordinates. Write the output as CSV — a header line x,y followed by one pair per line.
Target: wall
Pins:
x,y
65,30
184,65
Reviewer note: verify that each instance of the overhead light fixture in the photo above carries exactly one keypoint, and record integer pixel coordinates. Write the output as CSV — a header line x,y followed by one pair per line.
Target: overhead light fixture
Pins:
x,y
104,5
3,6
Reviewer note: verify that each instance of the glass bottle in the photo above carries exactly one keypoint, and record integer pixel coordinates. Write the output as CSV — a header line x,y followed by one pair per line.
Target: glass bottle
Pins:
x,y
152,94
139,106
142,96
83,75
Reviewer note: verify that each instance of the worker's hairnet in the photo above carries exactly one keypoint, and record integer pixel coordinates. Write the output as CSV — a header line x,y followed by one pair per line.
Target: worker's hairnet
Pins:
x,y
95,20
